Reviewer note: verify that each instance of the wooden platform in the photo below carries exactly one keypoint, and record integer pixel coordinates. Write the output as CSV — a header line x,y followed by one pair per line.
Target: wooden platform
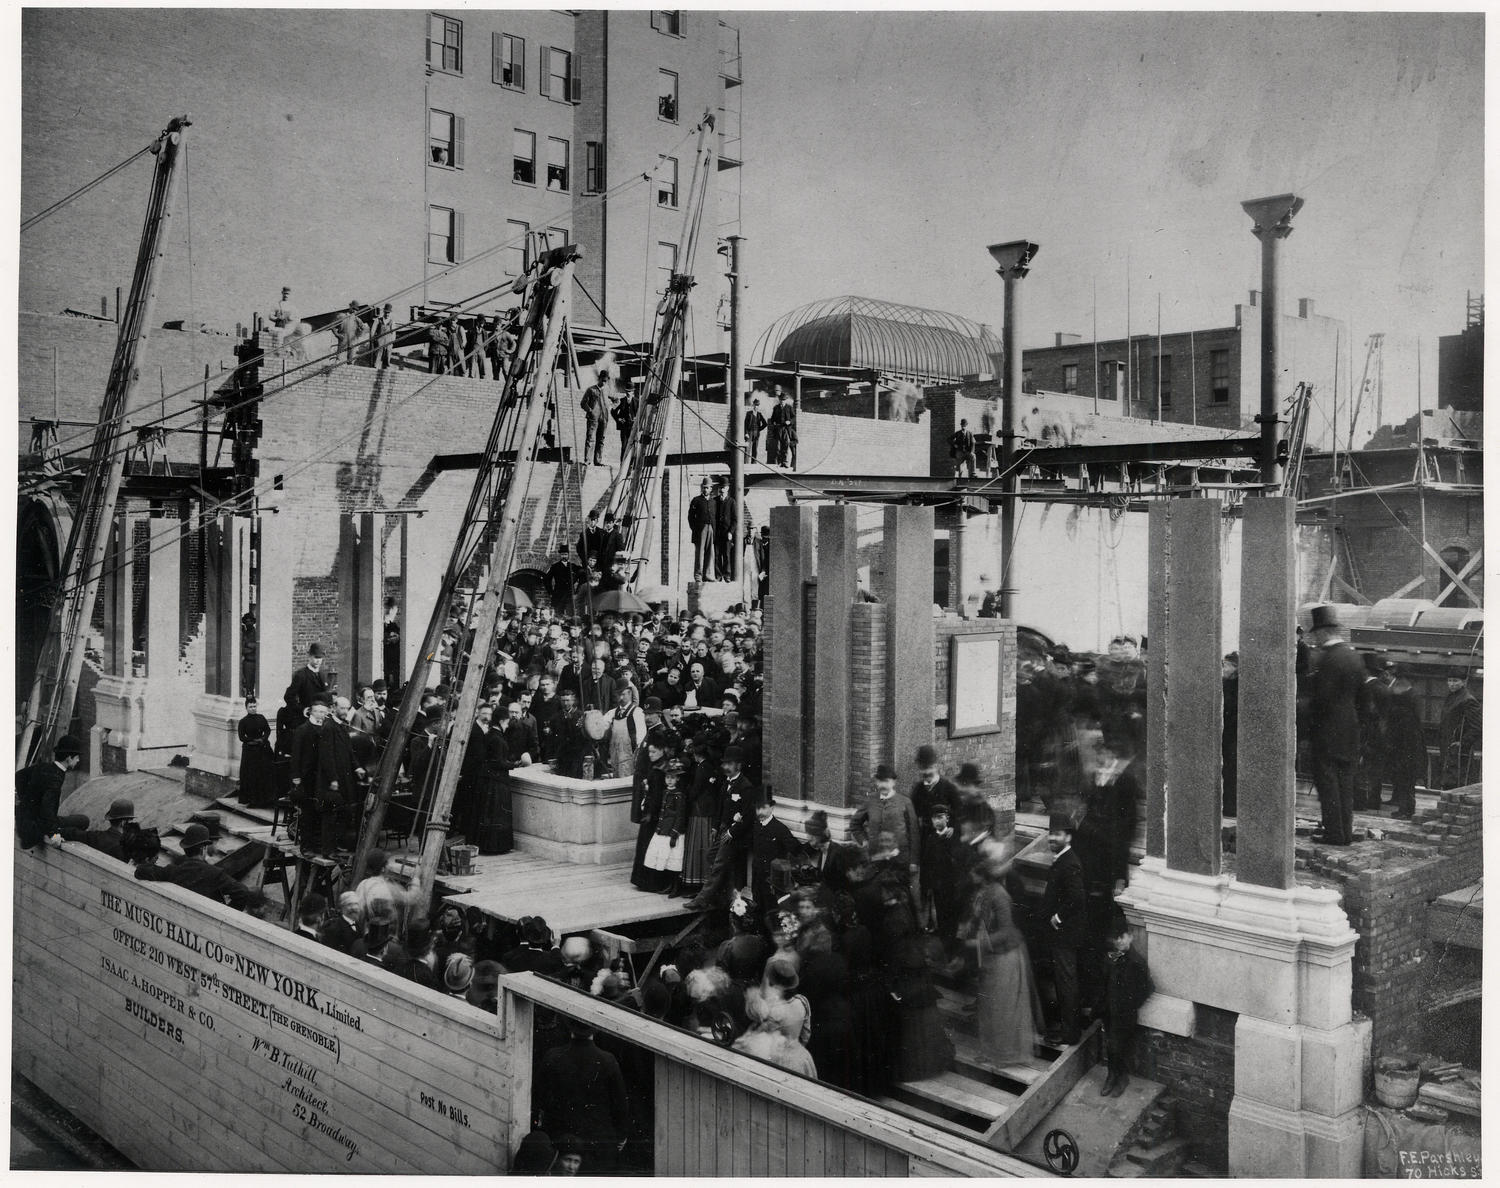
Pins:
x,y
571,897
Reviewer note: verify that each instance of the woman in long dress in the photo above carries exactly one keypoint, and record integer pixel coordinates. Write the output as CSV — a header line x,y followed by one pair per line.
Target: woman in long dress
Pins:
x,y
703,800
1007,1006
257,762
780,1021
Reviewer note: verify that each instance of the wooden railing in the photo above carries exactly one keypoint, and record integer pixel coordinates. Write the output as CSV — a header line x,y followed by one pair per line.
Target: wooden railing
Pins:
x,y
719,1113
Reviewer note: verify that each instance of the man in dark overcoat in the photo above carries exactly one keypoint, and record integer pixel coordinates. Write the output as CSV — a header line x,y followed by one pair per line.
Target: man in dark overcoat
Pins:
x,y
1064,914
39,792
1335,690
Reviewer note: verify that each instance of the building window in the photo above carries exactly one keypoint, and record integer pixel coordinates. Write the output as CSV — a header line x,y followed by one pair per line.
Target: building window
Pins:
x,y
445,139
515,247
1162,379
557,164
666,265
668,21
1218,371
445,235
593,167
666,182
445,44
558,237
557,75
666,96
509,67
1070,377
1114,379
523,167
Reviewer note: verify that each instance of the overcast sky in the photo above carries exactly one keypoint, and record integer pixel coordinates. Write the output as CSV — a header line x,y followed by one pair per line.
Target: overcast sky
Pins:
x,y
884,151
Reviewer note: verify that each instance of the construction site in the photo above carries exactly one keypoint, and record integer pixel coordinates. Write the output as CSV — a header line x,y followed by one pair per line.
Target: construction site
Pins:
x,y
395,492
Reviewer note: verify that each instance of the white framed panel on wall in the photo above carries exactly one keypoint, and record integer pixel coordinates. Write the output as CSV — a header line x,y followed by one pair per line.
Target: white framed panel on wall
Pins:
x,y
975,674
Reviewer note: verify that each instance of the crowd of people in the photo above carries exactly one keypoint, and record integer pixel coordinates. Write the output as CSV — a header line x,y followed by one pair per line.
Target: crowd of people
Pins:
x,y
579,695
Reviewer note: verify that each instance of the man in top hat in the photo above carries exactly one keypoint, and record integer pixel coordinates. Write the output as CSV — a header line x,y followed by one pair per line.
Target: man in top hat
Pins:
x,y
39,792
111,840
932,788
1064,915
308,681
324,776
725,537
1334,690
770,841
703,516
194,872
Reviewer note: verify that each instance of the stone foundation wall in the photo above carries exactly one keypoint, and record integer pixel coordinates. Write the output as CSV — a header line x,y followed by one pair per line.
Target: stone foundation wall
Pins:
x,y
1198,1071
1386,892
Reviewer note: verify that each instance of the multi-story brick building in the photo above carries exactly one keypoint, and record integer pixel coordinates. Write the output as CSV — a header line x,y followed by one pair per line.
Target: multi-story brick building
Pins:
x,y
374,154
1203,377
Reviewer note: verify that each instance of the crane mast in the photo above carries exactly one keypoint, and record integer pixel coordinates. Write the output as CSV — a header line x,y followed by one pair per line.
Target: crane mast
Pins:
x,y
49,707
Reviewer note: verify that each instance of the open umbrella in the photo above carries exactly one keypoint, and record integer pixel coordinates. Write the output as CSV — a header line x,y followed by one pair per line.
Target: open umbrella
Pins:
x,y
654,594
516,598
621,602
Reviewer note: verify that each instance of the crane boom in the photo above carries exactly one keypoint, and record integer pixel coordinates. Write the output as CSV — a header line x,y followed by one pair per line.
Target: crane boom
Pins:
x,y
491,519
632,494
49,707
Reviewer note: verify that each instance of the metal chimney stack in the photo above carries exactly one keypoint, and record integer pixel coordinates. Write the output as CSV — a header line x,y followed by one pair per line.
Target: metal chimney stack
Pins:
x,y
1272,223
1014,259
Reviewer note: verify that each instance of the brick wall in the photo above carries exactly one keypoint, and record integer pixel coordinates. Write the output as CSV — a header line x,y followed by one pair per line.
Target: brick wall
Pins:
x,y
869,712
1386,889
1199,1073
995,753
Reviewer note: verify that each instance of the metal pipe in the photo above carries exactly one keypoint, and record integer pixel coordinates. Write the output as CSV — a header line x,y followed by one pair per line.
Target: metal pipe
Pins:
x,y
736,434
1014,259
1272,223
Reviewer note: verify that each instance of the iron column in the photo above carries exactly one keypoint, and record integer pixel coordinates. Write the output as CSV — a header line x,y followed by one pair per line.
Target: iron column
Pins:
x,y
1272,223
1014,259
736,434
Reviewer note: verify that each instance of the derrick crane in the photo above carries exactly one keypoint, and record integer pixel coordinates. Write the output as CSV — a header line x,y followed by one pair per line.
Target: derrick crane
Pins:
x,y
49,707
632,495
1298,409
1374,352
485,545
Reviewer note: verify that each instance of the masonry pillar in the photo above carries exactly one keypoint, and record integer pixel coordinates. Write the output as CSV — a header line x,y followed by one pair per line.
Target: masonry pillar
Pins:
x,y
214,766
909,666
1193,686
1157,617
838,582
358,573
423,563
278,564
1266,816
168,719
163,606
791,562
120,703
1277,955
119,607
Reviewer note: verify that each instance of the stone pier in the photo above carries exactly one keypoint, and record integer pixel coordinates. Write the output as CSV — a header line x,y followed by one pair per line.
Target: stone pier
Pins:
x,y
1277,956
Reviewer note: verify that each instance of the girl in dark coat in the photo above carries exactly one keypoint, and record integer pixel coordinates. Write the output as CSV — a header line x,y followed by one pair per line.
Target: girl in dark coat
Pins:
x,y
645,807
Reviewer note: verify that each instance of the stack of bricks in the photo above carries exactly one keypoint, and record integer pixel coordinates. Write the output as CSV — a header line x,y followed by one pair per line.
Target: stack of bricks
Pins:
x,y
1387,887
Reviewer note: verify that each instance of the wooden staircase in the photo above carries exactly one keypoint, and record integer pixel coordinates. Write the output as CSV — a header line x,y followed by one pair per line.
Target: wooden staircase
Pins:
x,y
995,1104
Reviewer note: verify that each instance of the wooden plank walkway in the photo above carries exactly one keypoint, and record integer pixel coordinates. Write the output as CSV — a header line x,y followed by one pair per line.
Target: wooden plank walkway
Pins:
x,y
571,897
